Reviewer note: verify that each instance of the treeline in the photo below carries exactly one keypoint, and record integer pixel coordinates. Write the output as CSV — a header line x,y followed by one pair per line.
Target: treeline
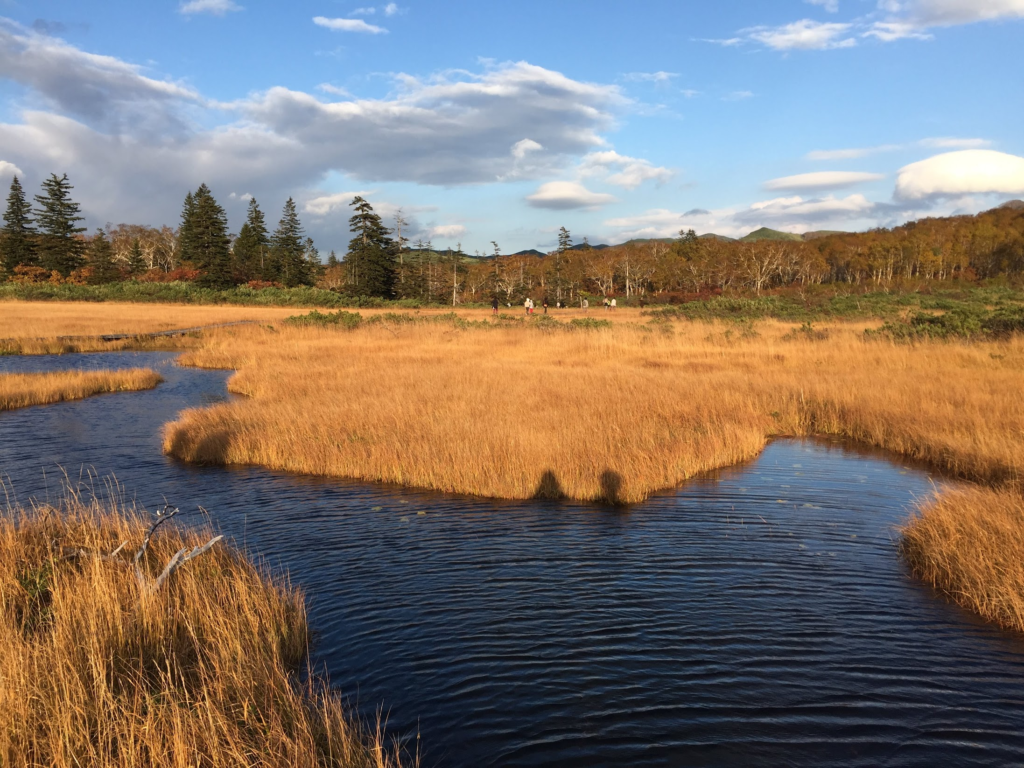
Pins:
x,y
46,243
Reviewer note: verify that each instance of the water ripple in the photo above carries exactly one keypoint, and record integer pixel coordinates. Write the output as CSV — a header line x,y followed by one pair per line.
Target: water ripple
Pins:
x,y
762,617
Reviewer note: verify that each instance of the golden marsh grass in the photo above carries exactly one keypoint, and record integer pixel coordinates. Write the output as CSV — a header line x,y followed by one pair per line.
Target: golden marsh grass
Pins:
x,y
969,544
612,414
18,390
98,671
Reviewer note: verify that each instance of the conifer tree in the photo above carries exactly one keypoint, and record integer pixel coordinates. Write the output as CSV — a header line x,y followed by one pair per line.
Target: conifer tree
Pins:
x,y
136,259
101,260
252,246
17,238
204,239
289,248
332,259
557,279
314,267
371,253
60,248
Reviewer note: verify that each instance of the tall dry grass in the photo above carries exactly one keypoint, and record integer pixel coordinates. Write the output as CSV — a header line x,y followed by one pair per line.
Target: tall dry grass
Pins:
x,y
49,319
18,390
969,543
613,414
97,671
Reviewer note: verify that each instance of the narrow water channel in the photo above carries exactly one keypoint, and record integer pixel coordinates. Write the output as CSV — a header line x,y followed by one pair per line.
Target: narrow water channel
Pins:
x,y
758,618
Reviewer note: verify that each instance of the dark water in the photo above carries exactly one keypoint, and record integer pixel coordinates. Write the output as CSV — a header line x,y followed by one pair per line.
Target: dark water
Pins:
x,y
762,618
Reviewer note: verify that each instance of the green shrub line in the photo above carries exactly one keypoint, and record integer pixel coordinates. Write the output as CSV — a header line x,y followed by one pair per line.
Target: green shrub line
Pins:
x,y
345,320
961,323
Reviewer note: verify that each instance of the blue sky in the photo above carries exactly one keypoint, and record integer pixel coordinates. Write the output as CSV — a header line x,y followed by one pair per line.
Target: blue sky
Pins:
x,y
506,121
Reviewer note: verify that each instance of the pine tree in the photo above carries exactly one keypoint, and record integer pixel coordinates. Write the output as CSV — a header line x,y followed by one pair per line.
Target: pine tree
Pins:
x,y
252,246
101,260
136,259
556,279
204,239
371,253
314,267
60,248
289,248
332,259
17,238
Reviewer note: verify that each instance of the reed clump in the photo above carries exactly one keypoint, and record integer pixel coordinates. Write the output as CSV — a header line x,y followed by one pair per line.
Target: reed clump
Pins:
x,y
969,544
100,670
613,413
19,390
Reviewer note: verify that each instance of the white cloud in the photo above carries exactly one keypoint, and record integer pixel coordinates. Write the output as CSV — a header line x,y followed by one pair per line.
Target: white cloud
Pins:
x,y
392,8
660,78
215,7
891,31
967,172
821,180
447,231
325,205
334,90
804,35
364,11
631,173
348,25
567,195
9,169
831,6
524,147
953,12
795,211
948,142
850,154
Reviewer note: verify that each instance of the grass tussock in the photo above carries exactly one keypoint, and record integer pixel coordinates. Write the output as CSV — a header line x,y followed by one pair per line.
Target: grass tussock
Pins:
x,y
99,671
969,544
18,390
613,414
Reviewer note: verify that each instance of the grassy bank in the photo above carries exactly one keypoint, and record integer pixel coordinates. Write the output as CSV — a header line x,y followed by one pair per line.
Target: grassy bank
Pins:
x,y
101,669
614,413
18,390
970,545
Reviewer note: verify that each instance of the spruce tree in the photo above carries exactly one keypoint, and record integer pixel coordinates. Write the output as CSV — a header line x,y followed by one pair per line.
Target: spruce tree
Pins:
x,y
101,260
60,248
332,259
289,248
204,239
371,253
314,267
136,259
252,246
17,238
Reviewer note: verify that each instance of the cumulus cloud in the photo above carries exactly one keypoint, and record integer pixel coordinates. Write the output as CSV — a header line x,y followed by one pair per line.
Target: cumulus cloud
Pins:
x,y
821,180
804,35
102,90
447,231
630,172
567,195
348,25
392,8
966,172
9,169
324,205
214,7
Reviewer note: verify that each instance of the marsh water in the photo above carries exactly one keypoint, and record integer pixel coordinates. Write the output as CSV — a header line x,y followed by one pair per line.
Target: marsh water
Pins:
x,y
759,617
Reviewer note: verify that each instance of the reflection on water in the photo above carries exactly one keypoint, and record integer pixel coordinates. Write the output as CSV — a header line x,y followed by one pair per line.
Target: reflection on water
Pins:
x,y
759,618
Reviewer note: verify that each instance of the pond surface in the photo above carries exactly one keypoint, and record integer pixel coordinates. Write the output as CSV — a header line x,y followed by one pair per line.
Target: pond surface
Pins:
x,y
762,617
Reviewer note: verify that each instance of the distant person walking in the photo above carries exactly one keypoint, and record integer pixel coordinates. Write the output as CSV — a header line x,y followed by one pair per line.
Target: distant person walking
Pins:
x,y
494,306
545,305
586,305
605,303
613,305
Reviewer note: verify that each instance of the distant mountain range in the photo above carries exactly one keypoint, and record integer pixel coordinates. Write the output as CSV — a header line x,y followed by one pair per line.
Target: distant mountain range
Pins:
x,y
764,233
